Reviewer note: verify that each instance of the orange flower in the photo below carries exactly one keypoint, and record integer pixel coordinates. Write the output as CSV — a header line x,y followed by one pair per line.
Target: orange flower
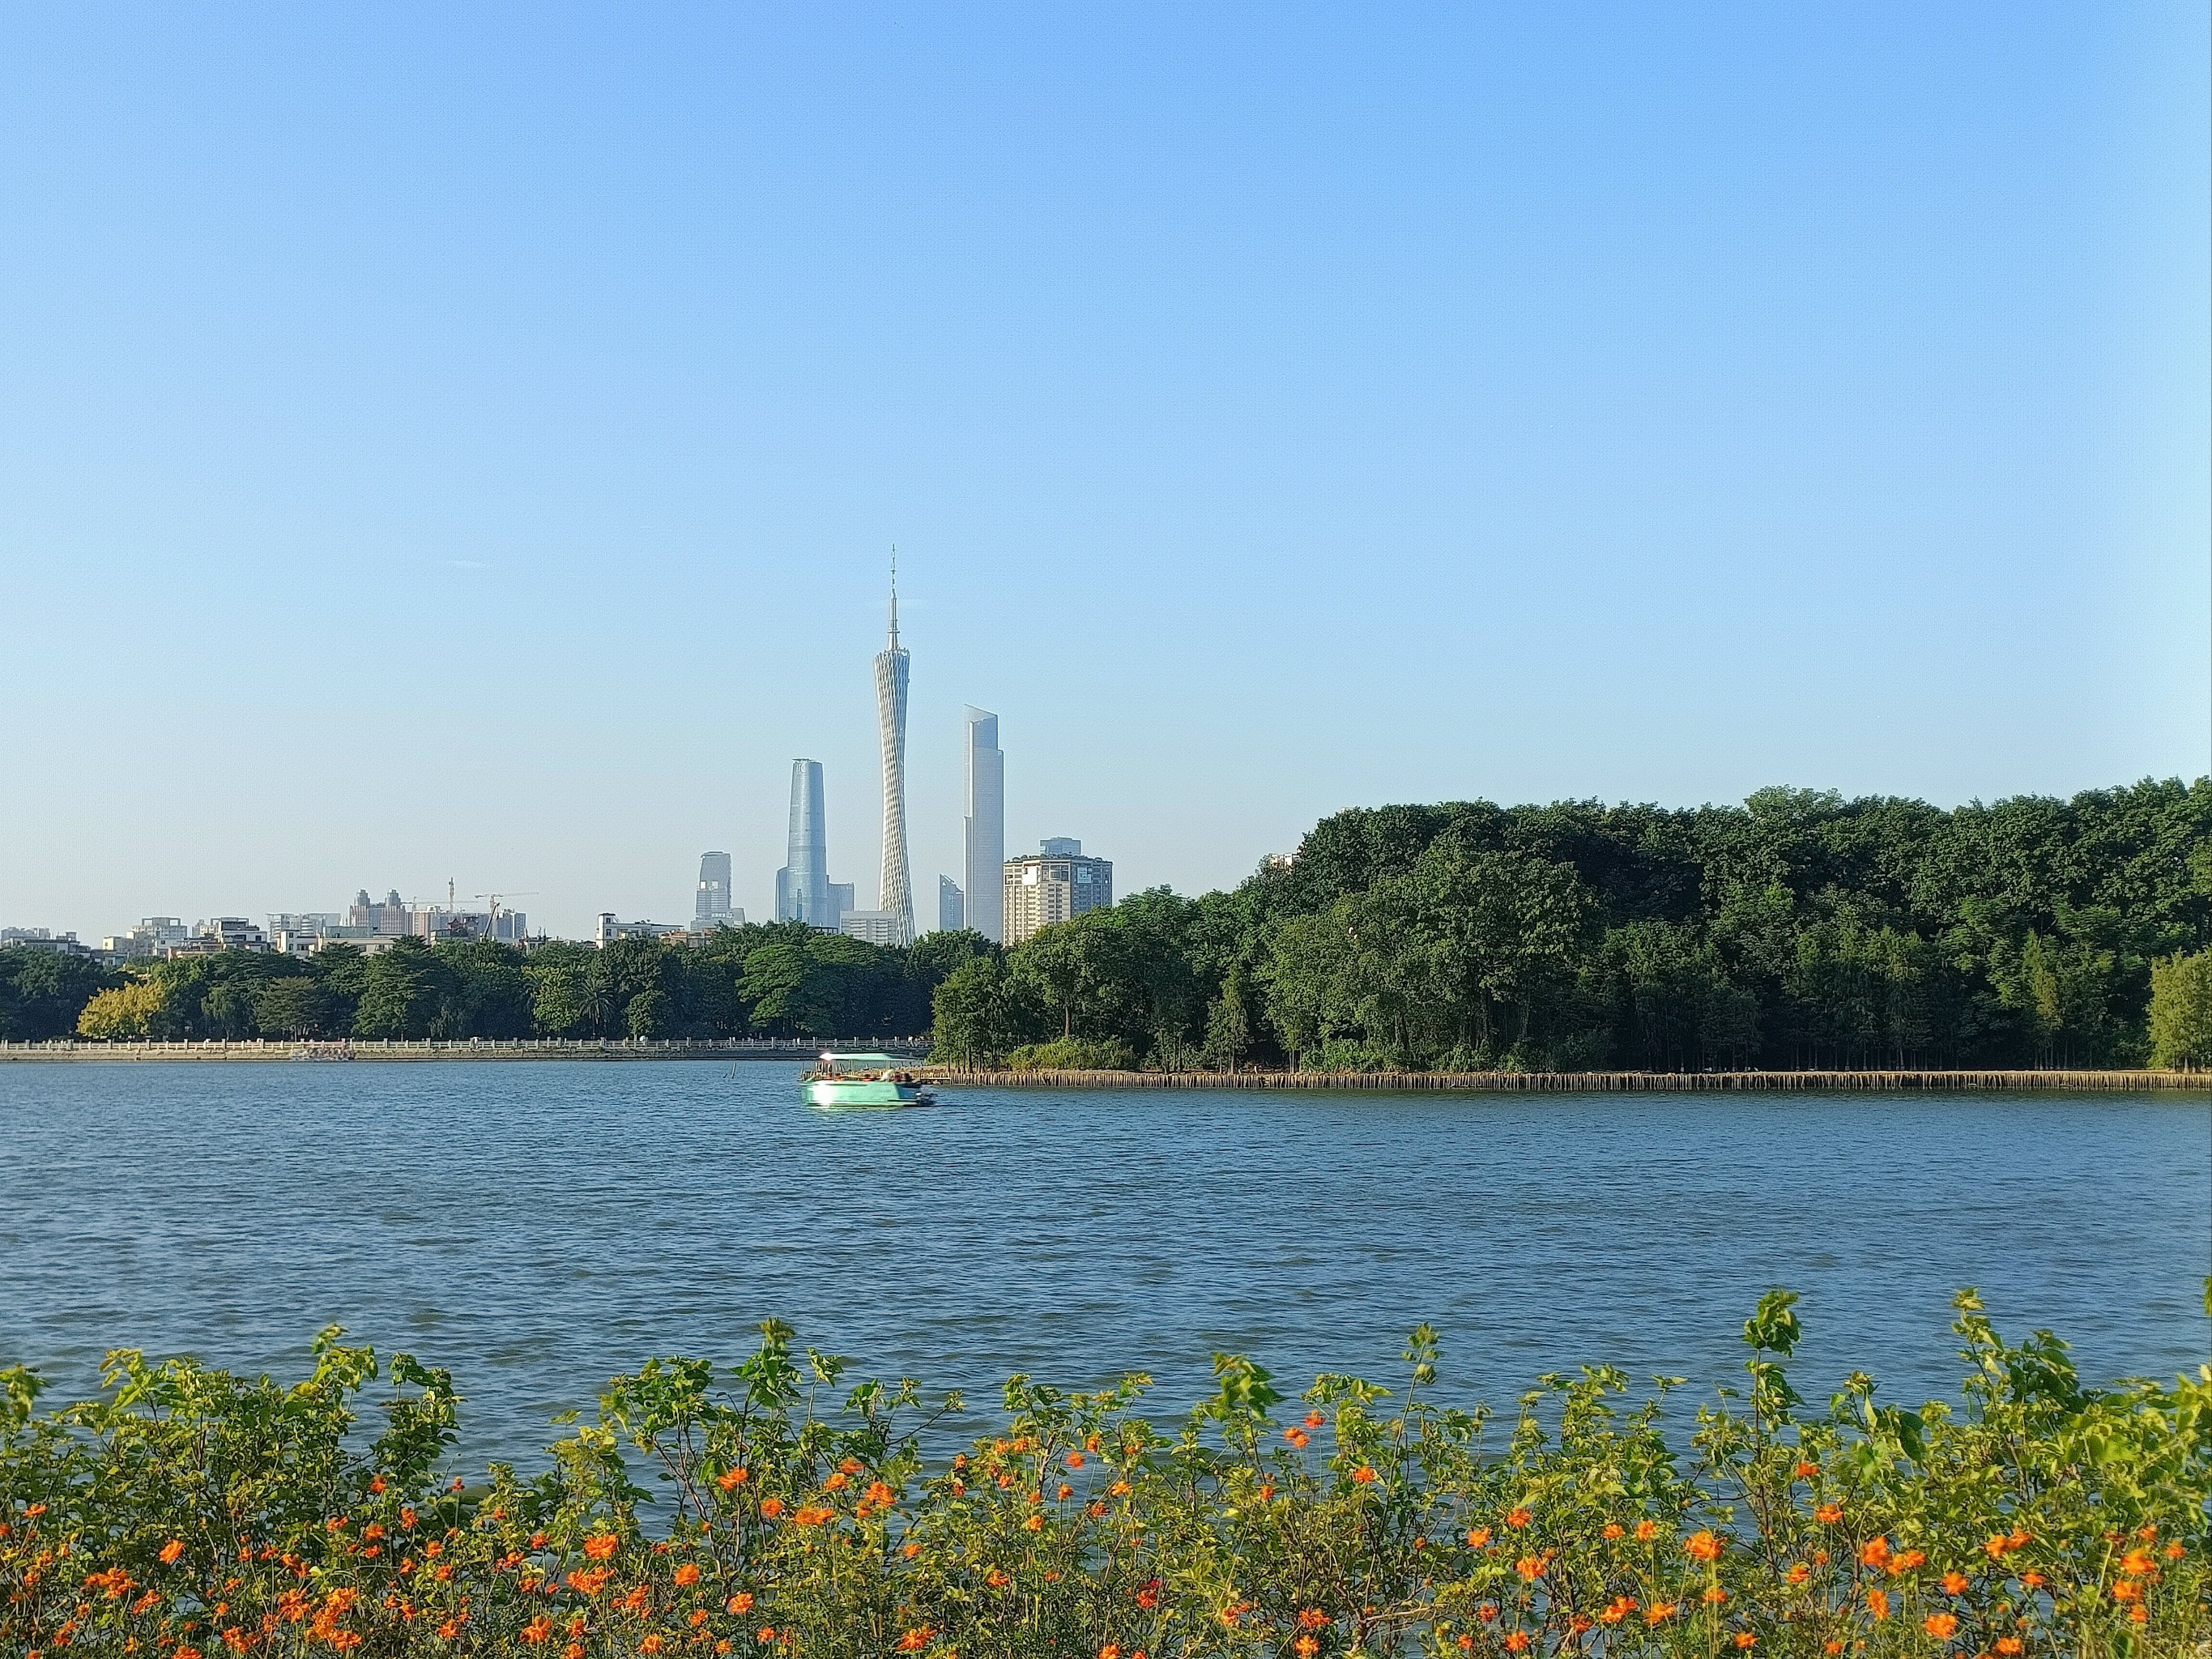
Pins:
x,y
688,1574
1703,1547
766,1633
1806,1469
1518,1642
598,1546
996,1578
916,1640
652,1643
1075,1459
813,1515
1035,1523
1714,1595
1744,1638
1798,1573
589,1580
1941,1626
909,1549
1874,1552
741,1602
1479,1537
1305,1647
771,1507
881,1495
449,1630
1315,1419
1518,1517
1828,1514
2123,1589
731,1479
1312,1619
2140,1562
1148,1594
2011,1646
1530,1567
1617,1609
1646,1531
1660,1612
171,1550
1364,1474
1121,1489
1908,1561
2033,1580
1878,1604
1298,1437
1615,1529
1110,1650
539,1629
1954,1583
1066,1492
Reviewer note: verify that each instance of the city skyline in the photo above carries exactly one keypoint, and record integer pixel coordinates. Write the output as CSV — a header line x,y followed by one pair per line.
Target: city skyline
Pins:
x,y
1275,412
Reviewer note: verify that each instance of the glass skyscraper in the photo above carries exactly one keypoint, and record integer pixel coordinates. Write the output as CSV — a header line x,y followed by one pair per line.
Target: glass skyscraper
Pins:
x,y
712,908
984,838
802,886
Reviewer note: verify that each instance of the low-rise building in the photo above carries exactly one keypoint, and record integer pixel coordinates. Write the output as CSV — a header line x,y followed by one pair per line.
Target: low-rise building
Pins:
x,y
877,927
611,928
42,939
1055,885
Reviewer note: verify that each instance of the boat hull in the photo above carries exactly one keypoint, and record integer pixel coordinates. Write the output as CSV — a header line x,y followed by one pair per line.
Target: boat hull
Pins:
x,y
864,1091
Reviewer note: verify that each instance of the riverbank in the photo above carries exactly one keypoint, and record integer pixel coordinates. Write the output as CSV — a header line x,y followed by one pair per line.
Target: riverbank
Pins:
x,y
260,1049
1589,1082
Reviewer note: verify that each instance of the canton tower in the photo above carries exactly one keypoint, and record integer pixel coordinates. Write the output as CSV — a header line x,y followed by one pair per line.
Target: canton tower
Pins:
x,y
895,896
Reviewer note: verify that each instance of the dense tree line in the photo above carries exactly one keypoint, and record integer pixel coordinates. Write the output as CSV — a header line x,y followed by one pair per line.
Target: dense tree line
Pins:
x,y
788,981
1798,929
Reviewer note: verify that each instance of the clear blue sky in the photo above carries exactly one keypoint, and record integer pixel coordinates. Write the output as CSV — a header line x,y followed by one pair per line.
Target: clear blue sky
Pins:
x,y
465,442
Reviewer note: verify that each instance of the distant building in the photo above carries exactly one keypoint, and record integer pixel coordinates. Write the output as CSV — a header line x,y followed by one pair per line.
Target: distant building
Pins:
x,y
802,886
390,920
1054,886
609,929
951,906
895,890
877,927
710,907
983,832
148,939
232,933
301,933
41,938
841,906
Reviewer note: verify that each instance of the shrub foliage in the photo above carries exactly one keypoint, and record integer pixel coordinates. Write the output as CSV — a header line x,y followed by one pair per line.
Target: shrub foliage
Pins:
x,y
772,1511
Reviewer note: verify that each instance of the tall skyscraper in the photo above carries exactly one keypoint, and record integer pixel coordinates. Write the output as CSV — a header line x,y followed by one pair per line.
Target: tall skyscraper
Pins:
x,y
951,906
802,886
896,892
710,907
984,835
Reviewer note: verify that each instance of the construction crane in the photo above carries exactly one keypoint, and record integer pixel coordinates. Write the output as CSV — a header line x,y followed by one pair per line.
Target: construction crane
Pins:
x,y
495,900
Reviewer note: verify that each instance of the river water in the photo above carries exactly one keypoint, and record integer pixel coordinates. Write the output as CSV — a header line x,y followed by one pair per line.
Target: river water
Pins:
x,y
539,1227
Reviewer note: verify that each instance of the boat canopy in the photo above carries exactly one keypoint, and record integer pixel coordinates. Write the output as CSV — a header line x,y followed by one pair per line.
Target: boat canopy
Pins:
x,y
871,1060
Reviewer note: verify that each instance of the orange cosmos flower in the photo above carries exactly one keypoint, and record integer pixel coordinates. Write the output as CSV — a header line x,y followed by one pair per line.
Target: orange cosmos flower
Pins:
x,y
1874,1552
1878,1604
1110,1650
2010,1645
1298,1437
538,1629
2032,1579
1703,1547
731,1479
1365,1475
1518,1517
1035,1523
1312,1619
916,1640
1806,1469
1646,1531
1617,1609
1954,1583
1828,1514
1075,1459
1305,1647
766,1633
652,1643
1798,1573
688,1574
598,1546
171,1550
1744,1638
813,1515
1148,1594
1660,1612
996,1578
1518,1642
771,1507
1121,1489
1615,1529
1479,1537
1066,1492
1941,1626
741,1602
837,1480
1530,1567
1315,1419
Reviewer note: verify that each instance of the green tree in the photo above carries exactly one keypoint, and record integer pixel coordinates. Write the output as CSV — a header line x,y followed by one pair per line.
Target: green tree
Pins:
x,y
293,1007
2181,1011
647,1013
400,992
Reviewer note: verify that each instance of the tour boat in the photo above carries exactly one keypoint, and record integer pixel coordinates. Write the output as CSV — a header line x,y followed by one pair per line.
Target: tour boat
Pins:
x,y
863,1080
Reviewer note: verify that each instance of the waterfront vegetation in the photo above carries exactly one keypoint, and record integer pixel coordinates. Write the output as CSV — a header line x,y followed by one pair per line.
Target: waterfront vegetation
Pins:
x,y
771,1511
1799,930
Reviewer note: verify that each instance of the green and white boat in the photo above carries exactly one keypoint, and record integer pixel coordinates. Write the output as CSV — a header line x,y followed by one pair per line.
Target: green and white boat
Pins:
x,y
863,1080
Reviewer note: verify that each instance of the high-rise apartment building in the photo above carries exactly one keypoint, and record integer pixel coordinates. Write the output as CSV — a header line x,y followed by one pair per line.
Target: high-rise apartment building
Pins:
x,y
1055,885
802,886
711,907
951,906
984,831
895,893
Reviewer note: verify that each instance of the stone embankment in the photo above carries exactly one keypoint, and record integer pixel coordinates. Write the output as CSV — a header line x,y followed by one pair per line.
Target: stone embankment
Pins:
x,y
1588,1082
520,1048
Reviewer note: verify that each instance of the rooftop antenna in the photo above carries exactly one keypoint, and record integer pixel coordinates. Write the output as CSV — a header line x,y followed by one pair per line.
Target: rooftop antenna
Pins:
x,y
895,596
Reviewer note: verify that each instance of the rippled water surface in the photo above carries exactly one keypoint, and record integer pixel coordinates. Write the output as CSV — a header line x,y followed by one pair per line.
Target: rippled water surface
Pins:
x,y
539,1227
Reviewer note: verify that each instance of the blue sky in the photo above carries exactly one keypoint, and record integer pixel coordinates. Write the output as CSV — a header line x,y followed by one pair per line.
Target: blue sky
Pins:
x,y
468,446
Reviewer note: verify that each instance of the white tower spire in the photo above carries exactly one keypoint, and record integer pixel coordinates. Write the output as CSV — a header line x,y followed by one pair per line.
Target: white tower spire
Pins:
x,y
897,892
